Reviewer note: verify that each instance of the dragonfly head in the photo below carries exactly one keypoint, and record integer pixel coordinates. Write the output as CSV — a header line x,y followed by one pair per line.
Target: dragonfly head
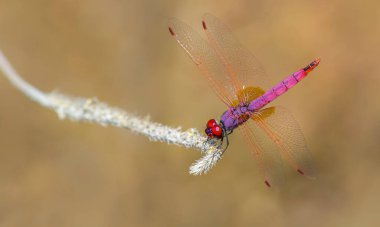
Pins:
x,y
213,130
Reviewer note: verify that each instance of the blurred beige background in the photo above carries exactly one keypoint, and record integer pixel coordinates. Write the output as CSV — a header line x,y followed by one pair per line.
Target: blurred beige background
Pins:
x,y
62,173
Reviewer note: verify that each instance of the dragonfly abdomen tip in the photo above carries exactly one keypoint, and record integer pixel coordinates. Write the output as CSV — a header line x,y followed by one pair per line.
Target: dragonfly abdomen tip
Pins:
x,y
312,65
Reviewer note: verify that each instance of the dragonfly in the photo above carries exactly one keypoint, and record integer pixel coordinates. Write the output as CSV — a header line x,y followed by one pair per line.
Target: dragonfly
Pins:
x,y
238,79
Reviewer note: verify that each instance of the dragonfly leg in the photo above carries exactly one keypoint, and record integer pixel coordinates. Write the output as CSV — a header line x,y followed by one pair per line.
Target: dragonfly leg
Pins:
x,y
225,135
219,146
227,144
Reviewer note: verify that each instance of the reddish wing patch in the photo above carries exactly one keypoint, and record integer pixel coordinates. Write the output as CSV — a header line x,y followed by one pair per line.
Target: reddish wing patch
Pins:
x,y
248,94
263,113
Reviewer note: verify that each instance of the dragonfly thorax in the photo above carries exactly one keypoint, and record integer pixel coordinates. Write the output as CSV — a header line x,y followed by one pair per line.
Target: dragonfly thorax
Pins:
x,y
235,116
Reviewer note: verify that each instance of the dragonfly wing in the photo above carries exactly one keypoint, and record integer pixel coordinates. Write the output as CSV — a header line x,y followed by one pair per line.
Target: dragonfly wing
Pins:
x,y
205,58
242,66
269,163
283,130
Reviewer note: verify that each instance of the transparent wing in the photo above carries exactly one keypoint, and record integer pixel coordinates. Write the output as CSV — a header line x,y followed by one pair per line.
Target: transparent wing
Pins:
x,y
241,65
268,161
205,58
283,131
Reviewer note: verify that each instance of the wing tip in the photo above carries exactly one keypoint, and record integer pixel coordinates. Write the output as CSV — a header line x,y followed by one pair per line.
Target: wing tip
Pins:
x,y
300,172
307,174
171,31
204,25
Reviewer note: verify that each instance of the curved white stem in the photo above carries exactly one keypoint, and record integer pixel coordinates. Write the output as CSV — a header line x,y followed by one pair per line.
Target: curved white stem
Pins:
x,y
91,110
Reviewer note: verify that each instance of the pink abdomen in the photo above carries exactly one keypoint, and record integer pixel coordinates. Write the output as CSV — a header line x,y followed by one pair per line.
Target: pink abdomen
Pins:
x,y
277,90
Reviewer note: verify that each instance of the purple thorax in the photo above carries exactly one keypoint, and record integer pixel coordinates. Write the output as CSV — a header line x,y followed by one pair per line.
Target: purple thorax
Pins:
x,y
235,116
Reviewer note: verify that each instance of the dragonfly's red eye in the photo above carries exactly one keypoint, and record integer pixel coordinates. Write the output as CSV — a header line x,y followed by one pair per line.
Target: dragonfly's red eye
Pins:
x,y
217,131
211,123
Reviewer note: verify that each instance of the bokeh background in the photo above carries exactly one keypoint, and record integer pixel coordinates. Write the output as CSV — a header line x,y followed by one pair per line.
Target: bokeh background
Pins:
x,y
62,173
